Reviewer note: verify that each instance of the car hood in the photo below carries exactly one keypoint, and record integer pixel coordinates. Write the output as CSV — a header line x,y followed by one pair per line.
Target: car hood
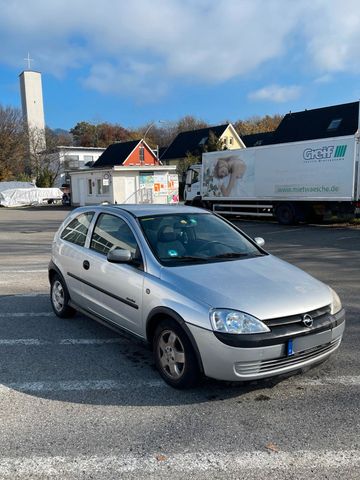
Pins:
x,y
265,286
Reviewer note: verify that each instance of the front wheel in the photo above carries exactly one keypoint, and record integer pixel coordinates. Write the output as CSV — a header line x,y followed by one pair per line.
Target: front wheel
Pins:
x,y
59,297
174,355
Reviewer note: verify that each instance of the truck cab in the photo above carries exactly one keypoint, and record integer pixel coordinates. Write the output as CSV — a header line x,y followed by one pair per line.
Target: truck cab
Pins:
x,y
192,183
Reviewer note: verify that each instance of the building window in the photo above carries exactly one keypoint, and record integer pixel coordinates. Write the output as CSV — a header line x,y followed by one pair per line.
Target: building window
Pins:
x,y
98,186
231,141
71,161
141,154
224,140
105,189
90,191
334,124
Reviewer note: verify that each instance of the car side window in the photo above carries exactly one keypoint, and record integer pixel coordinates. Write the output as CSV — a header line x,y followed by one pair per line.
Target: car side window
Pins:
x,y
112,232
76,231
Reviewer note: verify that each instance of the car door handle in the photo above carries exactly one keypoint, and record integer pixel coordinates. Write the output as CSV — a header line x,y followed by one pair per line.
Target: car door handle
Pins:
x,y
86,264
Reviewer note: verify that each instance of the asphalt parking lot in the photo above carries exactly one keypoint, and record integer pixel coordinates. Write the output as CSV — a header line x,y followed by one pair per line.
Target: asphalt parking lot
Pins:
x,y
80,401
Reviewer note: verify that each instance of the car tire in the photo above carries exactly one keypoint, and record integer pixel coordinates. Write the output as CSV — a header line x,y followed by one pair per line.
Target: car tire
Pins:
x,y
175,357
285,214
59,297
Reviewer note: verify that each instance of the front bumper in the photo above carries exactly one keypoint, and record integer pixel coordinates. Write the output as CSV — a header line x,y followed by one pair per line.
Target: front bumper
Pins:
x,y
226,362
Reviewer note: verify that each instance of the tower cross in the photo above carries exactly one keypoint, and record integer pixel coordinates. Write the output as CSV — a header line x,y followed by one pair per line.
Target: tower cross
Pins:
x,y
29,60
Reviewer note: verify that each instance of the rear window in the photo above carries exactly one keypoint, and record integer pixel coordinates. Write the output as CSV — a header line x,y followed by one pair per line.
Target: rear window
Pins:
x,y
76,231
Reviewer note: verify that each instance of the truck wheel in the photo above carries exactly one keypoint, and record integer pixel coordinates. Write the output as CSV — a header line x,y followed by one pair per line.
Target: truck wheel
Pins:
x,y
285,214
174,355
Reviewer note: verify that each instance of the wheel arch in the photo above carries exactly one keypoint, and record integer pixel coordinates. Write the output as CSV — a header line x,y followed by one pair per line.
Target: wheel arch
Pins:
x,y
52,270
163,313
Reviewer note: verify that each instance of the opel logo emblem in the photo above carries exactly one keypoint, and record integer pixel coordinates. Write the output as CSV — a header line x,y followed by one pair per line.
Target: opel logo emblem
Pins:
x,y
308,320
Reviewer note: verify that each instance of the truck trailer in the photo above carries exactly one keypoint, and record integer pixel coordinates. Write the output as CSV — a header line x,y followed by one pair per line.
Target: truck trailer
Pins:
x,y
297,181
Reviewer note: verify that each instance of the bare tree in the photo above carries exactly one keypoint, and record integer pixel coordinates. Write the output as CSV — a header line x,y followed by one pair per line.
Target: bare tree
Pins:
x,y
45,162
256,124
12,143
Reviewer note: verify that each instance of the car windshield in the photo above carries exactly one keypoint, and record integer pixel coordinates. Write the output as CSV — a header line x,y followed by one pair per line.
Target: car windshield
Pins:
x,y
195,238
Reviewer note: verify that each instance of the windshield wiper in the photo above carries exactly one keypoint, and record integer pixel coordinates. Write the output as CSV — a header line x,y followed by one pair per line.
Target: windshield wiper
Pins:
x,y
191,257
231,255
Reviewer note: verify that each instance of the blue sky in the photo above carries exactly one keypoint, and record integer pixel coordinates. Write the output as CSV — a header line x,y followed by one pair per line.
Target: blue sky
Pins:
x,y
136,62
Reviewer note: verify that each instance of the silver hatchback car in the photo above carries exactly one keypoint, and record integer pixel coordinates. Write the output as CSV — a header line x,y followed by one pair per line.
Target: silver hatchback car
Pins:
x,y
207,298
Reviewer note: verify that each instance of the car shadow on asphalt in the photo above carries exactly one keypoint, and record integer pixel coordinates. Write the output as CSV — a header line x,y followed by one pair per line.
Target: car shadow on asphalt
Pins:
x,y
80,361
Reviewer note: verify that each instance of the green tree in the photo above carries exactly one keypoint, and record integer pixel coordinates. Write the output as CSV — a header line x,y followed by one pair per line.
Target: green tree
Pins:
x,y
45,178
101,135
214,144
84,134
185,163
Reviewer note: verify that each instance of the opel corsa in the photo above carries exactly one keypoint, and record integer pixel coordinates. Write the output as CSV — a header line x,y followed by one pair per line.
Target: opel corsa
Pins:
x,y
209,299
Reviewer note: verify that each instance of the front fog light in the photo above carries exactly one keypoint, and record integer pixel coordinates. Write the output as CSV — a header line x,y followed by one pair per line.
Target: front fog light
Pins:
x,y
232,321
336,303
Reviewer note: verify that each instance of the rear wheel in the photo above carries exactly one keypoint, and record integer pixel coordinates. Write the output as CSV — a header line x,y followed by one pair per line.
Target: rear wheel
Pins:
x,y
174,355
59,297
285,214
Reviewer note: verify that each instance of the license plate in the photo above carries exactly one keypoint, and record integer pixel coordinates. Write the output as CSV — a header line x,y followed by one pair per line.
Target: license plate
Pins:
x,y
301,344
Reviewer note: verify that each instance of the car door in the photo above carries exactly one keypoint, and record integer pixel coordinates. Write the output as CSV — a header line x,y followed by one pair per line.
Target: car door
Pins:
x,y
69,252
114,291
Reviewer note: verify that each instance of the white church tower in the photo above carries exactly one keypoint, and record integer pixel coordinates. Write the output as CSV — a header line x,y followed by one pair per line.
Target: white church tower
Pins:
x,y
33,107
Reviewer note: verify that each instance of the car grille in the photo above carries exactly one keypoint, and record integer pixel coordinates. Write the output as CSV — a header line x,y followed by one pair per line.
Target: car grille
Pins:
x,y
285,363
316,315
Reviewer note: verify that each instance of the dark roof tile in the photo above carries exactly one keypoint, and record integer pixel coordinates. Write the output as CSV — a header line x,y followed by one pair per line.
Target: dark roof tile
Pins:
x,y
116,154
257,139
191,141
312,124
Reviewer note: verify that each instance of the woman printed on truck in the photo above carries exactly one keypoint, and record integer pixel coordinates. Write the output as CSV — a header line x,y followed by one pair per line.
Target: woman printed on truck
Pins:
x,y
229,170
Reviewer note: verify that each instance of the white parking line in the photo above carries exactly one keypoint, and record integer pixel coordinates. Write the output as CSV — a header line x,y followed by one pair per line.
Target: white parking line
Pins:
x,y
199,462
77,385
64,341
26,314
25,295
347,380
283,231
90,385
25,271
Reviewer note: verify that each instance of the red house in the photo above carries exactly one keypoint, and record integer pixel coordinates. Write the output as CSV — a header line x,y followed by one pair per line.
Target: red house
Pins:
x,y
127,154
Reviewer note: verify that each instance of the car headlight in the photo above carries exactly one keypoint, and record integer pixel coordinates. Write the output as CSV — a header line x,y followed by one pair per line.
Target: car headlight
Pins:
x,y
232,321
336,302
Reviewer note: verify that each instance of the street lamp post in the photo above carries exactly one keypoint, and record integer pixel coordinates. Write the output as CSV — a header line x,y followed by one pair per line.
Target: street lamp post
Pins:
x,y
147,131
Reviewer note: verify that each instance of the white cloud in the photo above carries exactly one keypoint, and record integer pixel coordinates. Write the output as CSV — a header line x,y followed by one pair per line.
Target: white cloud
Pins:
x,y
133,79
276,93
327,78
333,36
187,40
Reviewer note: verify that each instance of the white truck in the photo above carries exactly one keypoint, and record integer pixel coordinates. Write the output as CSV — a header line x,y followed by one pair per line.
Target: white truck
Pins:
x,y
298,181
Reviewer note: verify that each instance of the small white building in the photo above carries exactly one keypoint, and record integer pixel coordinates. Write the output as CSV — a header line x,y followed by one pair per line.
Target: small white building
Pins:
x,y
125,184
127,172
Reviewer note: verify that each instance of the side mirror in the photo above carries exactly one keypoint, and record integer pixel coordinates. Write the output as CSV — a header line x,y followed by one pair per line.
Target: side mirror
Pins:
x,y
259,241
119,255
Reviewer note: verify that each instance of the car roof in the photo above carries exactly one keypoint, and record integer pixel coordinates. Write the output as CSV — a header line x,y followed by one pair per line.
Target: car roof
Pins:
x,y
151,209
